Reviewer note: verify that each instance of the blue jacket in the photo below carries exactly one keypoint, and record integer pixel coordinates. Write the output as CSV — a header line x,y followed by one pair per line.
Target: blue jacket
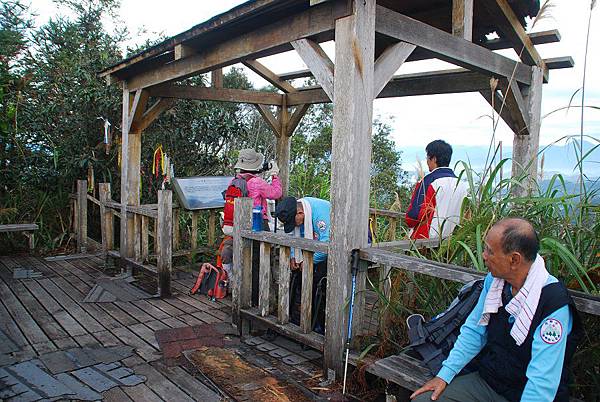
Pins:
x,y
545,368
321,210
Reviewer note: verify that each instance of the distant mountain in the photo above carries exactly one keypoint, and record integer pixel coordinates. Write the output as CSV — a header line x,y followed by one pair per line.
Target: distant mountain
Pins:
x,y
557,158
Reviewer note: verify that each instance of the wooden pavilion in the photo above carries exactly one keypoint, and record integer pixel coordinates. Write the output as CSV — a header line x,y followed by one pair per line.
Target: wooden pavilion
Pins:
x,y
373,38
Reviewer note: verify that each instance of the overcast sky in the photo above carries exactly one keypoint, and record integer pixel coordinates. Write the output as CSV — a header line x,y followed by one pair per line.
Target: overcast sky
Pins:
x,y
460,119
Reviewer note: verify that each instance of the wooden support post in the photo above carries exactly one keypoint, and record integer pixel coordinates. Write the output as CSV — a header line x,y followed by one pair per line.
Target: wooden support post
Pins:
x,y
82,216
264,282
283,161
124,247
176,229
385,286
216,78
241,289
391,235
106,217
307,292
360,293
350,166
462,19
194,235
283,310
212,227
137,237
155,231
525,147
164,230
145,235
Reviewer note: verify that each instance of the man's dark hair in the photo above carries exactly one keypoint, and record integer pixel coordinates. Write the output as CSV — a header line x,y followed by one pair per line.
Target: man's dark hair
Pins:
x,y
441,150
520,236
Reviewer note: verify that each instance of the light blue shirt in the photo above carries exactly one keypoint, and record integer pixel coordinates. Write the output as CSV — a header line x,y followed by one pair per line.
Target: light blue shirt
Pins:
x,y
544,369
321,209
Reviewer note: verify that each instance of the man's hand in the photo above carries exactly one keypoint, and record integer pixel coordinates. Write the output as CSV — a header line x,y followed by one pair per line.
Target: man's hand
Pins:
x,y
295,265
436,384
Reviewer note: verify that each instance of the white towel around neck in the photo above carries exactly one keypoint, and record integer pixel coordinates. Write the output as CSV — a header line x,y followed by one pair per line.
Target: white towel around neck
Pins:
x,y
523,305
308,229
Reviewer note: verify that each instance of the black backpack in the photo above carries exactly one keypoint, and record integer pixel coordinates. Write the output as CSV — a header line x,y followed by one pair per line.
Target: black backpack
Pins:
x,y
434,340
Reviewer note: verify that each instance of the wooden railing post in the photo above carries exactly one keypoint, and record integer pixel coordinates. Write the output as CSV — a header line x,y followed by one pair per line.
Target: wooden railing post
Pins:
x,y
241,294
82,216
307,292
264,280
164,232
106,217
211,227
194,235
283,311
145,234
176,229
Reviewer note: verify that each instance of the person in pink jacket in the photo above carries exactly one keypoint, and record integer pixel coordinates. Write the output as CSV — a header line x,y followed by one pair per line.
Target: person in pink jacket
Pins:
x,y
249,165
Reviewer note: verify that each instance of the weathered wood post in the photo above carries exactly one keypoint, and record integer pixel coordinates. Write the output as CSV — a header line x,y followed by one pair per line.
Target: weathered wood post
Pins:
x,y
123,235
212,227
525,147
241,295
82,216
164,233
106,217
350,165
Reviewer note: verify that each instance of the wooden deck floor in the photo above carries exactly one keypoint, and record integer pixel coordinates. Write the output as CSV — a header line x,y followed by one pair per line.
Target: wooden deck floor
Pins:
x,y
45,314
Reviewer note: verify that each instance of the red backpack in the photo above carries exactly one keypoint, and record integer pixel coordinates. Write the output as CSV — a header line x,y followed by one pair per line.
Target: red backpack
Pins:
x,y
212,281
237,188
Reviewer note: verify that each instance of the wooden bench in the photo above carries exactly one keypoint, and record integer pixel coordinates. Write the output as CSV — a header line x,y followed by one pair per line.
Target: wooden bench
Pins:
x,y
26,228
406,371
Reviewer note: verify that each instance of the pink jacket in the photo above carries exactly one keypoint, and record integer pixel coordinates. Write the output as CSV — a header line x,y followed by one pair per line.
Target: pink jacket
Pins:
x,y
259,190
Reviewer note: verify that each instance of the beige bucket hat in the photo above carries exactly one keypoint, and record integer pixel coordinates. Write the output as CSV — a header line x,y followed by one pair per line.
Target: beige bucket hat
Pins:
x,y
250,160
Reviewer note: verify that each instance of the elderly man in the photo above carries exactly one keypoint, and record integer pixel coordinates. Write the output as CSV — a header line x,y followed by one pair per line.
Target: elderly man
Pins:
x,y
434,208
523,330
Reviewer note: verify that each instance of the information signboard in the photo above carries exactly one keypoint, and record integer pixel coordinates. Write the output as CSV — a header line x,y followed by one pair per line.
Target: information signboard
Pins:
x,y
201,192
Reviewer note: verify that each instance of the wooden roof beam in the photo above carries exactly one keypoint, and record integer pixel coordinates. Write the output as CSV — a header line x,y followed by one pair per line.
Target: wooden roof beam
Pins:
x,y
509,25
269,76
449,48
217,94
269,39
388,63
462,19
318,62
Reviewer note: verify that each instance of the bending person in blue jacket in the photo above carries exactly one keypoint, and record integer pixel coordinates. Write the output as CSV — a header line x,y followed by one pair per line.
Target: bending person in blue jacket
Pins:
x,y
523,330
307,217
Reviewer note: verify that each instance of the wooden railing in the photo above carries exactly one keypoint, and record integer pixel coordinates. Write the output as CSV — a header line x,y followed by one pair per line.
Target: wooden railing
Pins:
x,y
156,231
392,218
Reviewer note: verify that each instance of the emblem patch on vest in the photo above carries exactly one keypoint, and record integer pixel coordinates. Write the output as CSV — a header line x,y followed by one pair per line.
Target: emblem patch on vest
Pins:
x,y
321,225
551,331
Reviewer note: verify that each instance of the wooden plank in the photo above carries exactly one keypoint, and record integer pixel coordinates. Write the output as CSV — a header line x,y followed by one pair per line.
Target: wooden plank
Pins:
x,y
283,307
447,47
181,51
187,383
10,327
142,392
269,76
462,19
217,94
269,118
32,331
241,283
47,323
266,40
70,324
216,78
510,27
165,230
293,331
286,240
401,370
18,227
107,339
146,333
142,348
137,247
318,62
350,166
161,385
307,295
388,63
82,216
264,282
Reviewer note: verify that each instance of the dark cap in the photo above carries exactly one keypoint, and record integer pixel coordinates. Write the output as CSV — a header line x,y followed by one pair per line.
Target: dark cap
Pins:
x,y
286,213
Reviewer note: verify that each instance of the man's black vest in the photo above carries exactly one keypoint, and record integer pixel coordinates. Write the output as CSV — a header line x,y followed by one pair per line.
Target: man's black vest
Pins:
x,y
503,364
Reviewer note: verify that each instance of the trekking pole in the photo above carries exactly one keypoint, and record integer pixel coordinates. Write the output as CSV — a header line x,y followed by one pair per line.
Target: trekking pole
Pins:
x,y
355,259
